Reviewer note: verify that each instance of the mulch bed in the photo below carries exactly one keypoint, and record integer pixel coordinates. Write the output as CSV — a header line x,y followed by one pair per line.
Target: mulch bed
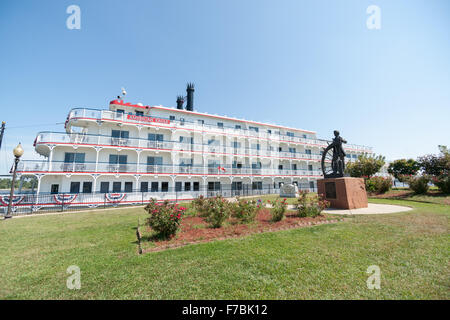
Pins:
x,y
196,230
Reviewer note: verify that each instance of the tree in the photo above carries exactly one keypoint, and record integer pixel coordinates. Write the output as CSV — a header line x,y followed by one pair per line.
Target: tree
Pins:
x,y
365,166
438,167
403,167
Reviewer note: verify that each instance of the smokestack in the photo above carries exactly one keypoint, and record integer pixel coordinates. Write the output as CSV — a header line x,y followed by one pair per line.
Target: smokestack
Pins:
x,y
180,101
190,97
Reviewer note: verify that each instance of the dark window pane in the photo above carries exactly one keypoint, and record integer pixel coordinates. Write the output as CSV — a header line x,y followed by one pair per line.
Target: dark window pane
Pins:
x,y
177,186
79,157
115,133
104,187
87,187
128,186
123,159
69,157
196,186
113,158
74,187
154,187
144,186
117,186
164,186
54,188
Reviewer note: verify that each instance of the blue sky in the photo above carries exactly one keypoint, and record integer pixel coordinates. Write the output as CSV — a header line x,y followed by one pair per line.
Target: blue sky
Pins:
x,y
307,64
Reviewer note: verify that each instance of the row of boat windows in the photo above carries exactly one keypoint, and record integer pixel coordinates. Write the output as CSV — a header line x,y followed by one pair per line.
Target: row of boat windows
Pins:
x,y
190,140
155,186
220,124
71,157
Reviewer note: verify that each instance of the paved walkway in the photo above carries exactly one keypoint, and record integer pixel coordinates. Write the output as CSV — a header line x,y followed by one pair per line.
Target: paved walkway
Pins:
x,y
373,208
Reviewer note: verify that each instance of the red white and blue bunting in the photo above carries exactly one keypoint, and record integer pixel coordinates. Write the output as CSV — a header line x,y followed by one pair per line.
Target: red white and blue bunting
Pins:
x,y
4,200
64,198
115,197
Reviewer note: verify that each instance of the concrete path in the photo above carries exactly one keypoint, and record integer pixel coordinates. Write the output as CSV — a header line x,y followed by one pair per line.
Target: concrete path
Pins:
x,y
373,208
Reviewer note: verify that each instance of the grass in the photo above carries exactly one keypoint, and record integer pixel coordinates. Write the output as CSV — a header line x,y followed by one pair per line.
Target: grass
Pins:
x,y
432,196
322,262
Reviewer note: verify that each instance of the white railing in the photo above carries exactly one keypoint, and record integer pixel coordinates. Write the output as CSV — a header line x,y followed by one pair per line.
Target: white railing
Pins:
x,y
102,115
99,140
102,167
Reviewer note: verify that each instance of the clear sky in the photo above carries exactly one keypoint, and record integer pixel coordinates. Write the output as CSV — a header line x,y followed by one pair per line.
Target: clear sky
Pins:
x,y
308,64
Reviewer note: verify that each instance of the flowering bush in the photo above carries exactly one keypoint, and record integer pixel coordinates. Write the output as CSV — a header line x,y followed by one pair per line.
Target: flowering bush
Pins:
x,y
378,184
246,210
164,217
217,210
418,184
278,210
310,206
200,205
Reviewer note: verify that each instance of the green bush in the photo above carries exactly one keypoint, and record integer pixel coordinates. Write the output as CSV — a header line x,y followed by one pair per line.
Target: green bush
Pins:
x,y
245,210
438,167
443,183
164,217
217,211
378,184
278,210
200,205
418,184
310,205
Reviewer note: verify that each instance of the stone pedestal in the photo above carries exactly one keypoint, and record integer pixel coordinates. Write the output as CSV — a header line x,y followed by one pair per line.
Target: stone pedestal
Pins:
x,y
343,193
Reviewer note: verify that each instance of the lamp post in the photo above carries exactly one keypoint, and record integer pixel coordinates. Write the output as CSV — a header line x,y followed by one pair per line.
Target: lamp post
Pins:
x,y
18,152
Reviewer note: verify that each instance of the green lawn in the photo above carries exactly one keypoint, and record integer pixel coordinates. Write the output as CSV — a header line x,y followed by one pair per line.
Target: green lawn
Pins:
x,y
432,196
321,262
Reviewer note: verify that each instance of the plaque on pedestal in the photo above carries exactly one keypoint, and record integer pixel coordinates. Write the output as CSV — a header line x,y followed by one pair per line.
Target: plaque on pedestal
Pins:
x,y
343,193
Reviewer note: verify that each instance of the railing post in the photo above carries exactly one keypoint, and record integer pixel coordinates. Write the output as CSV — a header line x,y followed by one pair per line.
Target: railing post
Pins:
x,y
62,203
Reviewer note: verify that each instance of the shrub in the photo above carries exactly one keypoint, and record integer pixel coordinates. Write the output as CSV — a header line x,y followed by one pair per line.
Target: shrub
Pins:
x,y
217,210
246,210
418,184
438,167
378,184
164,217
310,205
200,205
443,183
278,209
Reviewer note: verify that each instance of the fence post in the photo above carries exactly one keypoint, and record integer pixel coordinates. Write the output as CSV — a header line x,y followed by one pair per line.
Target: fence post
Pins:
x,y
62,203
104,201
142,194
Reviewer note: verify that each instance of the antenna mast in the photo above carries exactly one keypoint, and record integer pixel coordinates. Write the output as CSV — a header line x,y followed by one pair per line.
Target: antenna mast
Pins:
x,y
2,130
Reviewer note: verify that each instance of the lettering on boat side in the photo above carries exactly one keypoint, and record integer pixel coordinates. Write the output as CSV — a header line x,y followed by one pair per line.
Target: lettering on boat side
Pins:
x,y
147,119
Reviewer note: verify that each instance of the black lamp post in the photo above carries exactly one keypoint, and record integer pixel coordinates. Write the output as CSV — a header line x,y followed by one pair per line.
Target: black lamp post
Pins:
x,y
18,152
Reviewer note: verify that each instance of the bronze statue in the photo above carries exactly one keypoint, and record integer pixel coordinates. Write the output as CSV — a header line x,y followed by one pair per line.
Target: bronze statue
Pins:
x,y
333,158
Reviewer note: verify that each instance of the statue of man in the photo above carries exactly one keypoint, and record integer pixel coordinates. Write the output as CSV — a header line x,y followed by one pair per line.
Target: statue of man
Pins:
x,y
338,154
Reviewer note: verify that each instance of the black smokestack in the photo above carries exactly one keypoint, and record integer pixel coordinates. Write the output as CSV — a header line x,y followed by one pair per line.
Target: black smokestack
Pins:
x,y
180,101
190,97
